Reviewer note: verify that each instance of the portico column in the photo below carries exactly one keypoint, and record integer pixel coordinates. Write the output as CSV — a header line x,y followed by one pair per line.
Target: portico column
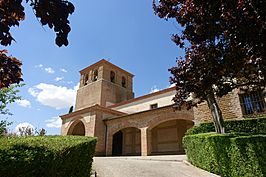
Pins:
x,y
145,143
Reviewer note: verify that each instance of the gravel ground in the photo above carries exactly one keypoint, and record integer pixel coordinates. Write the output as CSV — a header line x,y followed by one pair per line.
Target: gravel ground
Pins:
x,y
151,166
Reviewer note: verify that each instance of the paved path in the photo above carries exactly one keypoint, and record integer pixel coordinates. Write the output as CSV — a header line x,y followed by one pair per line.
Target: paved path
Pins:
x,y
151,166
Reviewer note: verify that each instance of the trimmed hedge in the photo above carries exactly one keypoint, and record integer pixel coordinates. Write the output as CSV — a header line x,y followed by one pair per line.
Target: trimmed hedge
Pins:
x,y
48,156
228,155
247,125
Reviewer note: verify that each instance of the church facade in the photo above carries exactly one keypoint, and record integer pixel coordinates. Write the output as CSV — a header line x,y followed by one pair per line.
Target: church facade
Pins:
x,y
147,125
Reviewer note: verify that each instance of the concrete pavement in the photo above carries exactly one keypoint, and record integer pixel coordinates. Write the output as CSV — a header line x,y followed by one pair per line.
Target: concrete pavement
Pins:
x,y
149,166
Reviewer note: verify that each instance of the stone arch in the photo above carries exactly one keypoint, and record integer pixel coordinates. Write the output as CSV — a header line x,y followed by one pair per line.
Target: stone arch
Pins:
x,y
116,126
95,75
126,141
166,136
77,128
124,82
112,76
86,79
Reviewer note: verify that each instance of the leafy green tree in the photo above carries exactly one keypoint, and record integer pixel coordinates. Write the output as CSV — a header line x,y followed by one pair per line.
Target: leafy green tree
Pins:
x,y
225,48
8,95
25,131
40,132
3,127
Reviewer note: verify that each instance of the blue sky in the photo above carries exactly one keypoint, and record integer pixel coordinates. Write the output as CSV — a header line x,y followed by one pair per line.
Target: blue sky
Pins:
x,y
127,33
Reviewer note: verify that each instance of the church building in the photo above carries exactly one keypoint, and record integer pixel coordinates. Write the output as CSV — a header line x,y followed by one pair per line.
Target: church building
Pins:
x,y
147,125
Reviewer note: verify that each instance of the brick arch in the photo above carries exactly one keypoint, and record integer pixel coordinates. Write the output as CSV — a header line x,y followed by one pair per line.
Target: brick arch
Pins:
x,y
182,115
120,125
73,124
126,141
112,132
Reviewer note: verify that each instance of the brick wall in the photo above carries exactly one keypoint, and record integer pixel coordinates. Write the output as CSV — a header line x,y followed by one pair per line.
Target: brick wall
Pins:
x,y
229,105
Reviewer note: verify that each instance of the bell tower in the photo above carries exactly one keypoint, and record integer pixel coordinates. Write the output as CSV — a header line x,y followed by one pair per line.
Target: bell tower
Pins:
x,y
105,84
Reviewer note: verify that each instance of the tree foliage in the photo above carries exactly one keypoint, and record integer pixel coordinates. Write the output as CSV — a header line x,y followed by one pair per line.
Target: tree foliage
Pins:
x,y
226,47
8,95
3,127
26,131
10,70
53,13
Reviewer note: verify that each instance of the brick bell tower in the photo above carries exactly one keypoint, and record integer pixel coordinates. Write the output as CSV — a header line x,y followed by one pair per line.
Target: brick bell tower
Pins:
x,y
105,84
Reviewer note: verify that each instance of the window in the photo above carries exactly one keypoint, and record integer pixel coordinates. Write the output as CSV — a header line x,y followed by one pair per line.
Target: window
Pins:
x,y
86,79
123,82
95,75
112,76
154,106
252,103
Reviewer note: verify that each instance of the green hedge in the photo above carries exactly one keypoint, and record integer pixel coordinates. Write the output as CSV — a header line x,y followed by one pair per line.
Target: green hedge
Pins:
x,y
247,125
228,155
48,156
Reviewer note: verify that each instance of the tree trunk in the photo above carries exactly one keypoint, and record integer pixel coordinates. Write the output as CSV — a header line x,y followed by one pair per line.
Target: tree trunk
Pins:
x,y
216,113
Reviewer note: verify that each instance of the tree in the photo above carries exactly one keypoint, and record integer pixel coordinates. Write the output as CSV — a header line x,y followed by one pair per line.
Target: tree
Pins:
x,y
8,95
40,132
26,131
225,44
10,70
3,127
71,109
53,13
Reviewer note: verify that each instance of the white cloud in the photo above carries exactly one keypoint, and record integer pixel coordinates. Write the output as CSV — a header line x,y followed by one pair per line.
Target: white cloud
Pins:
x,y
38,66
49,70
33,92
58,79
54,122
57,97
63,70
23,125
154,89
24,103
70,82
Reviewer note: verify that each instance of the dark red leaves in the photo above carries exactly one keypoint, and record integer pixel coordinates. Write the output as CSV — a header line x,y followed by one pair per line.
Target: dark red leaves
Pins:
x,y
53,13
11,13
10,70
227,45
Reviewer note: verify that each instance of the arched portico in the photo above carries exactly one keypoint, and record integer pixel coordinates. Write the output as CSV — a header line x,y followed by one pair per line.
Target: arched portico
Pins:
x,y
166,137
126,142
77,128
160,132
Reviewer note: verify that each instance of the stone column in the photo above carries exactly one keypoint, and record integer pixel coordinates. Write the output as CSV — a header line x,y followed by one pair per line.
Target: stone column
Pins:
x,y
145,141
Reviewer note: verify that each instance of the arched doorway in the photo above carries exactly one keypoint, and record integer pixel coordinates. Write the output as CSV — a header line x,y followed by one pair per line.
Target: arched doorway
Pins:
x,y
126,142
77,128
117,144
166,138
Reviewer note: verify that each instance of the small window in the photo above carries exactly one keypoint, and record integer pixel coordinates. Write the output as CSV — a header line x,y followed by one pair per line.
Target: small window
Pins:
x,y
86,80
124,82
112,76
154,106
252,103
95,75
